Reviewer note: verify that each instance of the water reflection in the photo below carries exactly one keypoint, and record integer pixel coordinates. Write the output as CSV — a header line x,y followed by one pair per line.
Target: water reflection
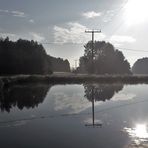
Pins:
x,y
28,96
99,92
139,135
57,121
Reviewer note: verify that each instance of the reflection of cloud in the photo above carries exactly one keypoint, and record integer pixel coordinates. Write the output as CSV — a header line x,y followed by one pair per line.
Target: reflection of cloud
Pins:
x,y
74,33
15,124
123,97
91,14
89,121
75,102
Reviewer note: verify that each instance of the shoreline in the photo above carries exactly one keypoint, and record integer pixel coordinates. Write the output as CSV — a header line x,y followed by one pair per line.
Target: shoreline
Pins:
x,y
73,79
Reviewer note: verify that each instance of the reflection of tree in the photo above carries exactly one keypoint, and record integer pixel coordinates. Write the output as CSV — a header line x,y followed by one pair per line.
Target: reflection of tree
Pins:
x,y
101,92
21,96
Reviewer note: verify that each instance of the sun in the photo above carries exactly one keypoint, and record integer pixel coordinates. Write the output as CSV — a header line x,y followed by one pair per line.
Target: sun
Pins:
x,y
136,11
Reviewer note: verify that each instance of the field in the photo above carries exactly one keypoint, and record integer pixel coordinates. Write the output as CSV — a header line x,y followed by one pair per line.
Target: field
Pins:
x,y
72,79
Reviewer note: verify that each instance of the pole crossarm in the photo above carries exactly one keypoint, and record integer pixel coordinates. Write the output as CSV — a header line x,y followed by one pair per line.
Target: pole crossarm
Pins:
x,y
92,31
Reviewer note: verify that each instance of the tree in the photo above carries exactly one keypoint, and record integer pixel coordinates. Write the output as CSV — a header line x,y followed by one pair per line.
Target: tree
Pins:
x,y
23,57
106,59
59,65
140,66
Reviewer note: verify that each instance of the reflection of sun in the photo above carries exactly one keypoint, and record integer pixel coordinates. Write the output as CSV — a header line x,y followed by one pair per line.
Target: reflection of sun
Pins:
x,y
139,135
141,131
136,11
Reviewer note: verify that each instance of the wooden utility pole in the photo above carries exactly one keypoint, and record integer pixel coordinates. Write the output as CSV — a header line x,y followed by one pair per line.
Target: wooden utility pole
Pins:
x,y
76,64
92,58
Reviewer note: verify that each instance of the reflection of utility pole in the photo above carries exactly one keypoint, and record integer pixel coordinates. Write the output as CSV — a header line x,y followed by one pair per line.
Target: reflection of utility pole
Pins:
x,y
93,112
92,32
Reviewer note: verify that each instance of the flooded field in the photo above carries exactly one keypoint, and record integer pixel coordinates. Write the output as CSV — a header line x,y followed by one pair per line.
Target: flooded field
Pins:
x,y
74,116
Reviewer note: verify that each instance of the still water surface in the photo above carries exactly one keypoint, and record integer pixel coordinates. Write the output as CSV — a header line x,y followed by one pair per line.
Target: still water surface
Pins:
x,y
74,116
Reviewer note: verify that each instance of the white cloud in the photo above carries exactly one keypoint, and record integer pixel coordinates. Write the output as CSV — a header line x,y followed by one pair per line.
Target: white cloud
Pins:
x,y
5,11
11,36
109,15
14,13
122,39
91,14
36,37
18,13
30,36
74,33
31,21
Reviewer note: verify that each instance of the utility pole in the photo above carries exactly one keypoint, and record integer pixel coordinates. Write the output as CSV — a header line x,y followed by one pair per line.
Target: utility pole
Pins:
x,y
92,59
76,64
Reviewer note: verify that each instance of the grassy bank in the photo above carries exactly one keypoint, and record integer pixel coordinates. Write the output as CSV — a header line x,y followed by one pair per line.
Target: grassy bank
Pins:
x,y
72,79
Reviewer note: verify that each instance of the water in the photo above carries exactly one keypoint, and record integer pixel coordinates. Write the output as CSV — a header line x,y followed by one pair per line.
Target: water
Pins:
x,y
74,116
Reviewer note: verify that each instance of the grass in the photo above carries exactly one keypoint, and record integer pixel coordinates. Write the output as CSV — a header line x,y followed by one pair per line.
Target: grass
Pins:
x,y
73,79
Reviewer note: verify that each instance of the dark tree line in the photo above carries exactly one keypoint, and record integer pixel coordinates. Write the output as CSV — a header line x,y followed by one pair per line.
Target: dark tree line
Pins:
x,y
106,59
27,57
140,66
23,57
23,96
59,65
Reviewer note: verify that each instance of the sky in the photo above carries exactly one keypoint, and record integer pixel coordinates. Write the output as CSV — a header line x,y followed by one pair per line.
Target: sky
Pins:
x,y
60,25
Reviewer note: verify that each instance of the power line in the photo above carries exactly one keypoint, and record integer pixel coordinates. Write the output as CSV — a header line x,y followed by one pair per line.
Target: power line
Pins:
x,y
67,43
135,50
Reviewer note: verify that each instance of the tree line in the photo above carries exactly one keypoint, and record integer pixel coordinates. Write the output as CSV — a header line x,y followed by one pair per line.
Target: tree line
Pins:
x,y
27,57
105,59
30,57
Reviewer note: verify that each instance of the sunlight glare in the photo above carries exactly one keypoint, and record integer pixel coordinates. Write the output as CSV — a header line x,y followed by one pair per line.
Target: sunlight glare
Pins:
x,y
141,131
136,11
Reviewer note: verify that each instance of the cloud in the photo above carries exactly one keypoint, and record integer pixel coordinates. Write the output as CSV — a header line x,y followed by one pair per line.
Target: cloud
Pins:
x,y
122,39
91,14
11,36
18,13
73,33
30,36
14,13
36,37
31,21
5,11
109,15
